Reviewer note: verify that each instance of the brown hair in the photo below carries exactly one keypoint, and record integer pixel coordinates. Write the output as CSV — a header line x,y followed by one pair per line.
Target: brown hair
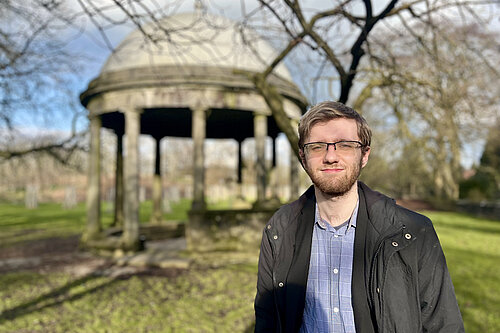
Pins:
x,y
325,111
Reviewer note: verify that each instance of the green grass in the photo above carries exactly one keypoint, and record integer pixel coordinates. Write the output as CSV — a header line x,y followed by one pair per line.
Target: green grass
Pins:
x,y
18,224
191,303
48,220
217,292
472,249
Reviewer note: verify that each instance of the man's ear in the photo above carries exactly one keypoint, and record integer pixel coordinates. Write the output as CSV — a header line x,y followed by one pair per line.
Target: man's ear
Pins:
x,y
366,154
302,158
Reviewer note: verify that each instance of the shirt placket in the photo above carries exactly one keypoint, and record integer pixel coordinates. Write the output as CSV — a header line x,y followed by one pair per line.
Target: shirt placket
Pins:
x,y
342,282
335,253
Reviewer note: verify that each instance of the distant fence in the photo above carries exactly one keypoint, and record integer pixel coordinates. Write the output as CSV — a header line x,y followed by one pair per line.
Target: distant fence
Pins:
x,y
490,209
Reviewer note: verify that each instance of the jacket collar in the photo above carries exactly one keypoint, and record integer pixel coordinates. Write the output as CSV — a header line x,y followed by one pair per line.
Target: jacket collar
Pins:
x,y
299,266
380,209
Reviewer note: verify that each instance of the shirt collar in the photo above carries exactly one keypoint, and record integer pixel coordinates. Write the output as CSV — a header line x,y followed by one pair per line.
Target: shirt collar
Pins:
x,y
352,220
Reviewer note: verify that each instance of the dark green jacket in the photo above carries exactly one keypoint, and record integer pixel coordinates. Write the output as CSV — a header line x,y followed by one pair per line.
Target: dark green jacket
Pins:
x,y
400,279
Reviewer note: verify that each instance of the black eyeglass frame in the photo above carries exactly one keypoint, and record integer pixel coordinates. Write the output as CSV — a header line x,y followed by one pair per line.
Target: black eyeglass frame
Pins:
x,y
334,144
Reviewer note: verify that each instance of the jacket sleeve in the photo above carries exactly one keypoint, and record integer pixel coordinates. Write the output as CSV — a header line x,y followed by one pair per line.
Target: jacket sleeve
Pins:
x,y
439,308
265,309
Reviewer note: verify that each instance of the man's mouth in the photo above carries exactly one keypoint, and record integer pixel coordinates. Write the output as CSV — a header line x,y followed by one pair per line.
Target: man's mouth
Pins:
x,y
332,170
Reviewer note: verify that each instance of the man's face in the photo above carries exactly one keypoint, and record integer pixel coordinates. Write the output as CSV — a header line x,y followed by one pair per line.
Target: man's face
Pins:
x,y
334,172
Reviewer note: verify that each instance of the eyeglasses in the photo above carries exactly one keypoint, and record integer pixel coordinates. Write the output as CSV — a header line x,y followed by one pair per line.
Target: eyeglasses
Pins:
x,y
316,149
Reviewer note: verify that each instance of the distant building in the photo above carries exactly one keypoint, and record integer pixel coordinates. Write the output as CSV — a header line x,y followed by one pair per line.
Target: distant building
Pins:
x,y
192,81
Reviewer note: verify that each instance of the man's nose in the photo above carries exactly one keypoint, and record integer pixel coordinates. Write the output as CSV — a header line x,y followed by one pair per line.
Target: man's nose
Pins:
x,y
331,154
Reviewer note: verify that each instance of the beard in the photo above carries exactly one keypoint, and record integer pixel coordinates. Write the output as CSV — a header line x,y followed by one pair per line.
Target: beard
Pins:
x,y
335,185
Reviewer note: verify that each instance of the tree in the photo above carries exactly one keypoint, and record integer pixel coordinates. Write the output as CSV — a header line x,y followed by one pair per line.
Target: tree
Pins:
x,y
485,183
440,93
315,35
347,50
38,171
317,30
36,75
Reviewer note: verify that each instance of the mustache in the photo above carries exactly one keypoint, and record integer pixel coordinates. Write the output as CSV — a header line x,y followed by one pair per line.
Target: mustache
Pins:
x,y
333,165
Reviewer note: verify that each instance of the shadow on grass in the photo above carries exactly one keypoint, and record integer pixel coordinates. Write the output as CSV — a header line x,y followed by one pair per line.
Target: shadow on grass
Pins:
x,y
250,329
57,296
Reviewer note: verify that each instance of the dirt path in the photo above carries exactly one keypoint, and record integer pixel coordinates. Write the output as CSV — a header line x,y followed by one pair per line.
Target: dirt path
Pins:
x,y
50,254
62,254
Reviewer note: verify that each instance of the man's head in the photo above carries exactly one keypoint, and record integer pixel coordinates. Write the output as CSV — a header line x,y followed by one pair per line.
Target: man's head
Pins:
x,y
334,143
325,111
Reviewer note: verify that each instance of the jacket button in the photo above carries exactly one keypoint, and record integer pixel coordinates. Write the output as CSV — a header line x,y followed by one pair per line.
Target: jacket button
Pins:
x,y
268,226
395,244
378,290
275,237
407,236
281,284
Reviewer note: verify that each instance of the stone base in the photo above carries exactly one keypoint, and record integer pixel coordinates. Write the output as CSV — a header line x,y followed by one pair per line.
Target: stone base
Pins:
x,y
109,243
269,204
163,254
227,230
112,245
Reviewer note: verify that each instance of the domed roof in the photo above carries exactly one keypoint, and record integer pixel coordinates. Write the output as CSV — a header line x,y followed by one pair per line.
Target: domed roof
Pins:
x,y
197,39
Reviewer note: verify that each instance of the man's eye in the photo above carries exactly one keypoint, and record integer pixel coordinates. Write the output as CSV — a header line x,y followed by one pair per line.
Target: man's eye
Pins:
x,y
344,145
316,147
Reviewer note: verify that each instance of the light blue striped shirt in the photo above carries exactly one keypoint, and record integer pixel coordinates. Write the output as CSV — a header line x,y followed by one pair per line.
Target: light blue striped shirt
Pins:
x,y
328,306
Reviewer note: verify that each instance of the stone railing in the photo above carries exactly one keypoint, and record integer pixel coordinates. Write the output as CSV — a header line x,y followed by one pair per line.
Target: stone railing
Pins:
x,y
489,209
226,230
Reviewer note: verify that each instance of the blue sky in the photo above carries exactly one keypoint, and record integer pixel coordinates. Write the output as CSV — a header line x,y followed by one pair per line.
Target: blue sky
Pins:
x,y
90,44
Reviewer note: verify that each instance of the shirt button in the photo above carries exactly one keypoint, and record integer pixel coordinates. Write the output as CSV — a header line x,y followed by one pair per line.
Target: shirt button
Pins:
x,y
335,271
395,244
407,236
335,236
268,226
275,237
335,309
281,284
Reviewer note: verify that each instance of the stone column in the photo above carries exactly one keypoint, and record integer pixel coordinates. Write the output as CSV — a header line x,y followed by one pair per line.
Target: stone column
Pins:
x,y
118,219
260,133
274,152
157,213
94,181
240,163
130,236
239,183
198,131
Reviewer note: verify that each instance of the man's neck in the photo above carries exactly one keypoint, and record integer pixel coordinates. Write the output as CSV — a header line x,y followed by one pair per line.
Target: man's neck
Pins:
x,y
337,209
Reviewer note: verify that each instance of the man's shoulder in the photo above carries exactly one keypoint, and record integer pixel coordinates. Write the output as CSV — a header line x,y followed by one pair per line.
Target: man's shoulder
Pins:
x,y
288,213
414,222
386,207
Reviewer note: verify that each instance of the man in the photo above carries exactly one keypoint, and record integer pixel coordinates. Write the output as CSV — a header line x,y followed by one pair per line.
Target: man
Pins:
x,y
343,258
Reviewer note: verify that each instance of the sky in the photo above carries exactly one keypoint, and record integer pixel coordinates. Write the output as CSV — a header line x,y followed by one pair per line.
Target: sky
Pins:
x,y
90,44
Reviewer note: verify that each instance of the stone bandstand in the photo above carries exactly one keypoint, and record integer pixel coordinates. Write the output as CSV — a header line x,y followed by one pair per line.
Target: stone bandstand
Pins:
x,y
191,84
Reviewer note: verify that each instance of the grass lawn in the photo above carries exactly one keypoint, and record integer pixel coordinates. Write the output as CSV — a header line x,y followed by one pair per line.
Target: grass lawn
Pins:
x,y
215,294
207,299
18,224
472,249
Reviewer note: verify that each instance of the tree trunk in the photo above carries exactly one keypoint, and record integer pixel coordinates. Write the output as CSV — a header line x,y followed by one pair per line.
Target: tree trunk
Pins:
x,y
275,102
